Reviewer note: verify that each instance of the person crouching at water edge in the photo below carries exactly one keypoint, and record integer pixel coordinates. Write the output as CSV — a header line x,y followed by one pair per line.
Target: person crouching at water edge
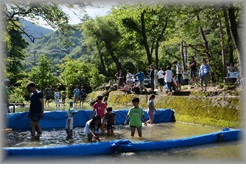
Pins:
x,y
69,122
36,111
92,128
135,114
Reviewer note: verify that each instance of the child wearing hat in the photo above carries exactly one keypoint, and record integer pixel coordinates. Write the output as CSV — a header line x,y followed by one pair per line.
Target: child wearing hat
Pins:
x,y
69,122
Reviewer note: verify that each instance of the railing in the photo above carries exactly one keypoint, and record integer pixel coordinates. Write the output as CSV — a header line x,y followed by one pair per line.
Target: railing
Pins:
x,y
13,105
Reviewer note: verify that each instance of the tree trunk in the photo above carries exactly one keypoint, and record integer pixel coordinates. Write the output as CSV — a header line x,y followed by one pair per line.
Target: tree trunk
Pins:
x,y
182,54
111,53
236,38
101,59
230,40
157,54
145,41
157,44
222,49
207,50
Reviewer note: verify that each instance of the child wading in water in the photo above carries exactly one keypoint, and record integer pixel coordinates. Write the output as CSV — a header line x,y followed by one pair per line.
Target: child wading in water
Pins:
x,y
135,114
151,109
110,121
92,128
100,108
69,123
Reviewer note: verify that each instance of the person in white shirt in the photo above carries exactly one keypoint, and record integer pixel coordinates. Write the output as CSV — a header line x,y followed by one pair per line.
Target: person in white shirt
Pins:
x,y
156,83
57,98
129,78
169,79
160,75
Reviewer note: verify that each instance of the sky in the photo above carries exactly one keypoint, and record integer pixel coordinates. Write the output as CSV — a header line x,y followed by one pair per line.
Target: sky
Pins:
x,y
97,9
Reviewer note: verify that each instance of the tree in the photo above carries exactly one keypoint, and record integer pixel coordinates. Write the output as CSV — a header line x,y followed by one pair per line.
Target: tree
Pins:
x,y
14,43
43,74
76,72
103,29
15,47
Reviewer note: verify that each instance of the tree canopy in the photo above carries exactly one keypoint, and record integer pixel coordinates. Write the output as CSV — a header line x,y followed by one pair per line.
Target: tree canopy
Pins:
x,y
131,36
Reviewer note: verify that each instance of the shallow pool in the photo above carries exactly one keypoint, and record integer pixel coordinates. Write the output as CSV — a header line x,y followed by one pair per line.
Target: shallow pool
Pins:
x,y
232,152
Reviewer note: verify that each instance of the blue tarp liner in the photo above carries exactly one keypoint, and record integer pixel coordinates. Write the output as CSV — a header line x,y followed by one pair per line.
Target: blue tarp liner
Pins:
x,y
57,119
110,147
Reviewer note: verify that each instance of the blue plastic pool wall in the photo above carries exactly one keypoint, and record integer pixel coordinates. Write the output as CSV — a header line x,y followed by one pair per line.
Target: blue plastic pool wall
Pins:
x,y
57,119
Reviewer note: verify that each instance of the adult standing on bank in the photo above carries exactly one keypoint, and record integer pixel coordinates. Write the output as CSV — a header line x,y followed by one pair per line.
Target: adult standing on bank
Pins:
x,y
140,75
193,70
179,74
204,74
48,94
120,79
36,111
161,78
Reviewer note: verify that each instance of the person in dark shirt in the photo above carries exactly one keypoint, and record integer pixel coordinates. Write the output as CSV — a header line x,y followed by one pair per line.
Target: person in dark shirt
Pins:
x,y
48,94
193,70
110,121
36,111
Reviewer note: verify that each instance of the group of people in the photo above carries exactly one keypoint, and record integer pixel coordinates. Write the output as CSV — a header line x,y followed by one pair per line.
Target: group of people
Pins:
x,y
167,77
164,78
57,96
102,116
79,96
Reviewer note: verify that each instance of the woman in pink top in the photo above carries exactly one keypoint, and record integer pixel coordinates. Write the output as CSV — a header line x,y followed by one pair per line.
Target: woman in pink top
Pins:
x,y
100,108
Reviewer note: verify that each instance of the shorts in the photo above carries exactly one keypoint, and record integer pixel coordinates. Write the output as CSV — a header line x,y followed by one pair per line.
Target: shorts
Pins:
x,y
204,79
169,85
135,126
161,81
151,115
47,97
110,126
179,78
35,117
69,131
57,101
192,74
76,97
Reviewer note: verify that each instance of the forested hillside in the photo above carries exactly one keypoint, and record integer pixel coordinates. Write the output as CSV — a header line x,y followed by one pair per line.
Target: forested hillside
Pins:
x,y
131,36
34,30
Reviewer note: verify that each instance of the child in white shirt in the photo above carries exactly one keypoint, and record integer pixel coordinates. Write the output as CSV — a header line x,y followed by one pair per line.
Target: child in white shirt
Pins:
x,y
57,98
69,122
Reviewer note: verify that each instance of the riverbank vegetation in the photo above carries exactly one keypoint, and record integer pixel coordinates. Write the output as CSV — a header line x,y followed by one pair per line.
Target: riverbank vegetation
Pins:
x,y
130,36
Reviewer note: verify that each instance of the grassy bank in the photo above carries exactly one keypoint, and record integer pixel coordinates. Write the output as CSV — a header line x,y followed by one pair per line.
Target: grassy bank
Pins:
x,y
206,110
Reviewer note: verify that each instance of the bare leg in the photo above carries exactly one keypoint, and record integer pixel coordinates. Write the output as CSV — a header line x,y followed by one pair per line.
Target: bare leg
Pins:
x,y
132,131
38,128
112,131
32,125
90,137
139,131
